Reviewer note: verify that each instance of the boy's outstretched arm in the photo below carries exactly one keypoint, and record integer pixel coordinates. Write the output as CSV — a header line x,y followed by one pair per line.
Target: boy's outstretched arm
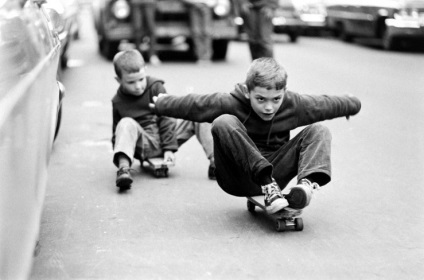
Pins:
x,y
318,108
192,107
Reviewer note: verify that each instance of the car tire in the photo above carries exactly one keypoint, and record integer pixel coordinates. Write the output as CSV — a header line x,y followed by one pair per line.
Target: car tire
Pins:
x,y
220,48
390,43
108,48
58,122
293,37
343,34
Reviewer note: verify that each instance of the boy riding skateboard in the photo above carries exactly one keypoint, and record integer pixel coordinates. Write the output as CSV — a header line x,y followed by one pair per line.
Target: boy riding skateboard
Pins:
x,y
251,126
139,133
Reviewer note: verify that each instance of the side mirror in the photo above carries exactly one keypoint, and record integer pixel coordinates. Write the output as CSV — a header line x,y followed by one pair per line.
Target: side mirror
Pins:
x,y
55,12
56,20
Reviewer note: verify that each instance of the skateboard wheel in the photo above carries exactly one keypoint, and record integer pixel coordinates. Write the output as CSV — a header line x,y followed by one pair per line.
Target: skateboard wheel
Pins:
x,y
165,173
280,225
298,222
251,206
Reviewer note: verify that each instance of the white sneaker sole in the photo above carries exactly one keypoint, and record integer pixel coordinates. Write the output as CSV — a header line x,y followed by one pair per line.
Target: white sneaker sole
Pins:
x,y
277,205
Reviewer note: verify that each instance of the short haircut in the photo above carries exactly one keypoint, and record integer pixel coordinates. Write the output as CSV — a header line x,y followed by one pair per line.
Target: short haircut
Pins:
x,y
130,61
267,73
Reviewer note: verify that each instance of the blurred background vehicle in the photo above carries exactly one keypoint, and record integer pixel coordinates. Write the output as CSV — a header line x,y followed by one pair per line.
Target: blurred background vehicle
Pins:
x,y
287,20
313,14
112,21
394,22
68,10
30,106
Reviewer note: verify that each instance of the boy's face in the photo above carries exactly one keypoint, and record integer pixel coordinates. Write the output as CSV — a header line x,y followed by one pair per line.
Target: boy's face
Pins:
x,y
265,102
133,83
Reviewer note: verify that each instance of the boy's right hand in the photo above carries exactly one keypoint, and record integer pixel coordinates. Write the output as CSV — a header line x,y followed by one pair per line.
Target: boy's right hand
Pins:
x,y
152,106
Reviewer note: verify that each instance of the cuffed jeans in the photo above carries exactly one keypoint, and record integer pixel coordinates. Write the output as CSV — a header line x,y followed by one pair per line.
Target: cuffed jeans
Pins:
x,y
142,143
239,163
259,30
144,23
200,25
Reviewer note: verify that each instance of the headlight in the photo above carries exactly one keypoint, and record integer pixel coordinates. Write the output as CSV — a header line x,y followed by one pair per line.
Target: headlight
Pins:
x,y
121,9
222,8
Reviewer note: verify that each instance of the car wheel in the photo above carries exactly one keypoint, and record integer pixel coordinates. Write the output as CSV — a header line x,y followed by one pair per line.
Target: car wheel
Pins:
x,y
390,42
343,34
59,120
293,37
220,48
108,48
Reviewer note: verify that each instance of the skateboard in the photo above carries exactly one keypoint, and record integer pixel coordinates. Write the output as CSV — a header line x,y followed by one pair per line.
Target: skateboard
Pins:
x,y
287,218
157,166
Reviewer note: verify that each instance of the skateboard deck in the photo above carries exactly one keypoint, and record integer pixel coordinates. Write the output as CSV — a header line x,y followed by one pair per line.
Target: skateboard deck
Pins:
x,y
287,218
158,166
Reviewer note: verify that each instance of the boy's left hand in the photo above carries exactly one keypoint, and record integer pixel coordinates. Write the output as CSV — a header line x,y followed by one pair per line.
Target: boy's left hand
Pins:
x,y
169,158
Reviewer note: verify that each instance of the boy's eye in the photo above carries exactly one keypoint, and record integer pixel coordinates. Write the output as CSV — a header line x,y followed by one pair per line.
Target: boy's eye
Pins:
x,y
277,99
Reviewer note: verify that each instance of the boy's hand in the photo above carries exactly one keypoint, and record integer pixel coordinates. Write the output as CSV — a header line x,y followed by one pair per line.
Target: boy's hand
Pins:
x,y
155,98
169,158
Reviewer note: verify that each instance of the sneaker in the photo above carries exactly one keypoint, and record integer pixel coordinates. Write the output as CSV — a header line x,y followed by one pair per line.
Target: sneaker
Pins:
x,y
299,196
123,178
274,202
211,170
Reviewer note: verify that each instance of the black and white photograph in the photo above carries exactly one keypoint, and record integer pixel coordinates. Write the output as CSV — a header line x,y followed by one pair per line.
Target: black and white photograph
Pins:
x,y
211,139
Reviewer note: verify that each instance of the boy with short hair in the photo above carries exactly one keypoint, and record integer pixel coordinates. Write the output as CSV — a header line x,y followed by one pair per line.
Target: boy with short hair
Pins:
x,y
251,132
137,131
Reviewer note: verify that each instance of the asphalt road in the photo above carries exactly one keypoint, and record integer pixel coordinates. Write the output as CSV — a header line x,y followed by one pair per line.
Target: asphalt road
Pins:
x,y
366,224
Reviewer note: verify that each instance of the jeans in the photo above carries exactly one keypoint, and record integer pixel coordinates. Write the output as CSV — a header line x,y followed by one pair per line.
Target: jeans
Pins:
x,y
239,163
200,23
144,23
259,30
141,143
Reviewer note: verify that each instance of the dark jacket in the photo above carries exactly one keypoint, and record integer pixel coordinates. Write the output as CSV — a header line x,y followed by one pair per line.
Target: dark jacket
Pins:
x,y
295,111
137,108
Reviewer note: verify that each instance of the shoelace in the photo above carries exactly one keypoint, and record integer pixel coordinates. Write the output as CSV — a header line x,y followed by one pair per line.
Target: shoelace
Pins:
x,y
124,170
271,189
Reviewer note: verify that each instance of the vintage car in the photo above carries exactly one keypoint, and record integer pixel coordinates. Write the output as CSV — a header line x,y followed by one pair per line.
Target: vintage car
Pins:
x,y
68,10
313,13
287,20
392,21
113,23
30,110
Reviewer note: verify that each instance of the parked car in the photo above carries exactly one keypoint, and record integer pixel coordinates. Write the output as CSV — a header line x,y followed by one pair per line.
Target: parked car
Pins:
x,y
313,14
30,110
112,21
68,10
392,21
287,20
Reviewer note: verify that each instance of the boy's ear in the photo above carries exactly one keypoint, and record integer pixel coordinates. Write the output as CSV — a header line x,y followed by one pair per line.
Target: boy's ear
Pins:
x,y
118,80
245,91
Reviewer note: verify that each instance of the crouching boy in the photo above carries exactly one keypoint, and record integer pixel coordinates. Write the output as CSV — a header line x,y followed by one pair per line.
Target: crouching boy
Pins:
x,y
251,133
137,131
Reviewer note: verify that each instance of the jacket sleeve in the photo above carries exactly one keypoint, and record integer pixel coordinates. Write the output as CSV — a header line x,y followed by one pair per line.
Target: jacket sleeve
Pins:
x,y
166,126
313,109
193,107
